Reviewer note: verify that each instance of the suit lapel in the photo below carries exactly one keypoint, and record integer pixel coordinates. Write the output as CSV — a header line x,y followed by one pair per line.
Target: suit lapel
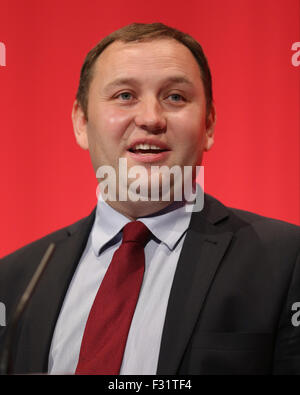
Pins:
x,y
44,307
202,252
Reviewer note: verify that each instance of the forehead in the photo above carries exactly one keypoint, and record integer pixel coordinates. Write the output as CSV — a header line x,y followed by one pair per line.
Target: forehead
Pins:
x,y
144,60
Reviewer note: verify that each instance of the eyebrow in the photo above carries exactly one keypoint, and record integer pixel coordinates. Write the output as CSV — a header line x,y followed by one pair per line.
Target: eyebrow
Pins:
x,y
132,81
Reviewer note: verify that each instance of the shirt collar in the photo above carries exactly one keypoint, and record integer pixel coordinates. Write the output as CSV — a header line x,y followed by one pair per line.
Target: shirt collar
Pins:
x,y
167,225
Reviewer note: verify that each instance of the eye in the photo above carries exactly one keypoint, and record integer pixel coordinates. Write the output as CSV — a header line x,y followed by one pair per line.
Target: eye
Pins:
x,y
176,97
124,96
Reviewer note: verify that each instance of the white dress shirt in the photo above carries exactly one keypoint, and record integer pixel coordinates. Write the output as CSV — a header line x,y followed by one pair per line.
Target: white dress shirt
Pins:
x,y
161,257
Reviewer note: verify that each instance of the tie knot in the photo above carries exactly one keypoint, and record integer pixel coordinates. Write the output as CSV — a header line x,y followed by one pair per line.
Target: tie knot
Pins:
x,y
137,232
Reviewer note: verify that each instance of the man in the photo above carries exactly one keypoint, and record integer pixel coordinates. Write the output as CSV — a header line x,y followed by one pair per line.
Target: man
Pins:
x,y
219,286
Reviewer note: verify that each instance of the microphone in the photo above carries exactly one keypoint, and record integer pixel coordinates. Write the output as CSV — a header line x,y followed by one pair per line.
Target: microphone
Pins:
x,y
6,363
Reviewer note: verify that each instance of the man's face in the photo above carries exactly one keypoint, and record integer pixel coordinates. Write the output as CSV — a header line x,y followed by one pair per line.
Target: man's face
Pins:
x,y
145,93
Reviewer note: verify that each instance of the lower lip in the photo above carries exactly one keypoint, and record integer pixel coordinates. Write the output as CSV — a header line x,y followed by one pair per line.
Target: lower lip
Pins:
x,y
148,158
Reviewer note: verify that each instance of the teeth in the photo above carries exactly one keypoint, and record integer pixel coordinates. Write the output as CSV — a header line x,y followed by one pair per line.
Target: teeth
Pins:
x,y
146,147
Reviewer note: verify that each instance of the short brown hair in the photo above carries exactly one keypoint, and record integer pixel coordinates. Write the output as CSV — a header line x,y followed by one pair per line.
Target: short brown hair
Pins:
x,y
140,32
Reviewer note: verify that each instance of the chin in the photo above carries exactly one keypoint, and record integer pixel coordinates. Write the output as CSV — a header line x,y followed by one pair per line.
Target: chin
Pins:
x,y
140,209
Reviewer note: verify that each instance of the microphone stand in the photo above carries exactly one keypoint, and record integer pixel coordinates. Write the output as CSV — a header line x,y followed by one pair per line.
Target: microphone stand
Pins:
x,y
6,363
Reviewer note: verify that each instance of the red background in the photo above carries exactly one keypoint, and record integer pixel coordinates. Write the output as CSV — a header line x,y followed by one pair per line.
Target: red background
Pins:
x,y
46,180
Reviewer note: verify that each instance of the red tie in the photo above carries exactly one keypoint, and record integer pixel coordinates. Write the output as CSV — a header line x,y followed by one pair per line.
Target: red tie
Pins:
x,y
108,324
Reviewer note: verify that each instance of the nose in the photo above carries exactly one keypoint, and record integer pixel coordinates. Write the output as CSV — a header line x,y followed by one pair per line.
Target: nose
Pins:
x,y
150,116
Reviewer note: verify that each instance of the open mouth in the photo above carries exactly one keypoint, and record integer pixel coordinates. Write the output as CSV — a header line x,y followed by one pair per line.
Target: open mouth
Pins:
x,y
147,149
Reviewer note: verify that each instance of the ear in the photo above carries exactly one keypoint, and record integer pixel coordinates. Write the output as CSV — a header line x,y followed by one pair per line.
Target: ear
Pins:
x,y
210,128
80,126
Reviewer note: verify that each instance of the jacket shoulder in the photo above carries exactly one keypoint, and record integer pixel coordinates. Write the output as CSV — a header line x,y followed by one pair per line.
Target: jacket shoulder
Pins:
x,y
266,224
242,222
34,251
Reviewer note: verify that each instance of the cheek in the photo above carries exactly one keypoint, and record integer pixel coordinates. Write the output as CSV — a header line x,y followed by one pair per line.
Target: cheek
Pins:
x,y
114,121
189,135
106,130
189,129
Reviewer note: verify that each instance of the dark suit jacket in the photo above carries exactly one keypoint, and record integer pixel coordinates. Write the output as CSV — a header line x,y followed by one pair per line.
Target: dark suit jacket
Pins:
x,y
230,305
